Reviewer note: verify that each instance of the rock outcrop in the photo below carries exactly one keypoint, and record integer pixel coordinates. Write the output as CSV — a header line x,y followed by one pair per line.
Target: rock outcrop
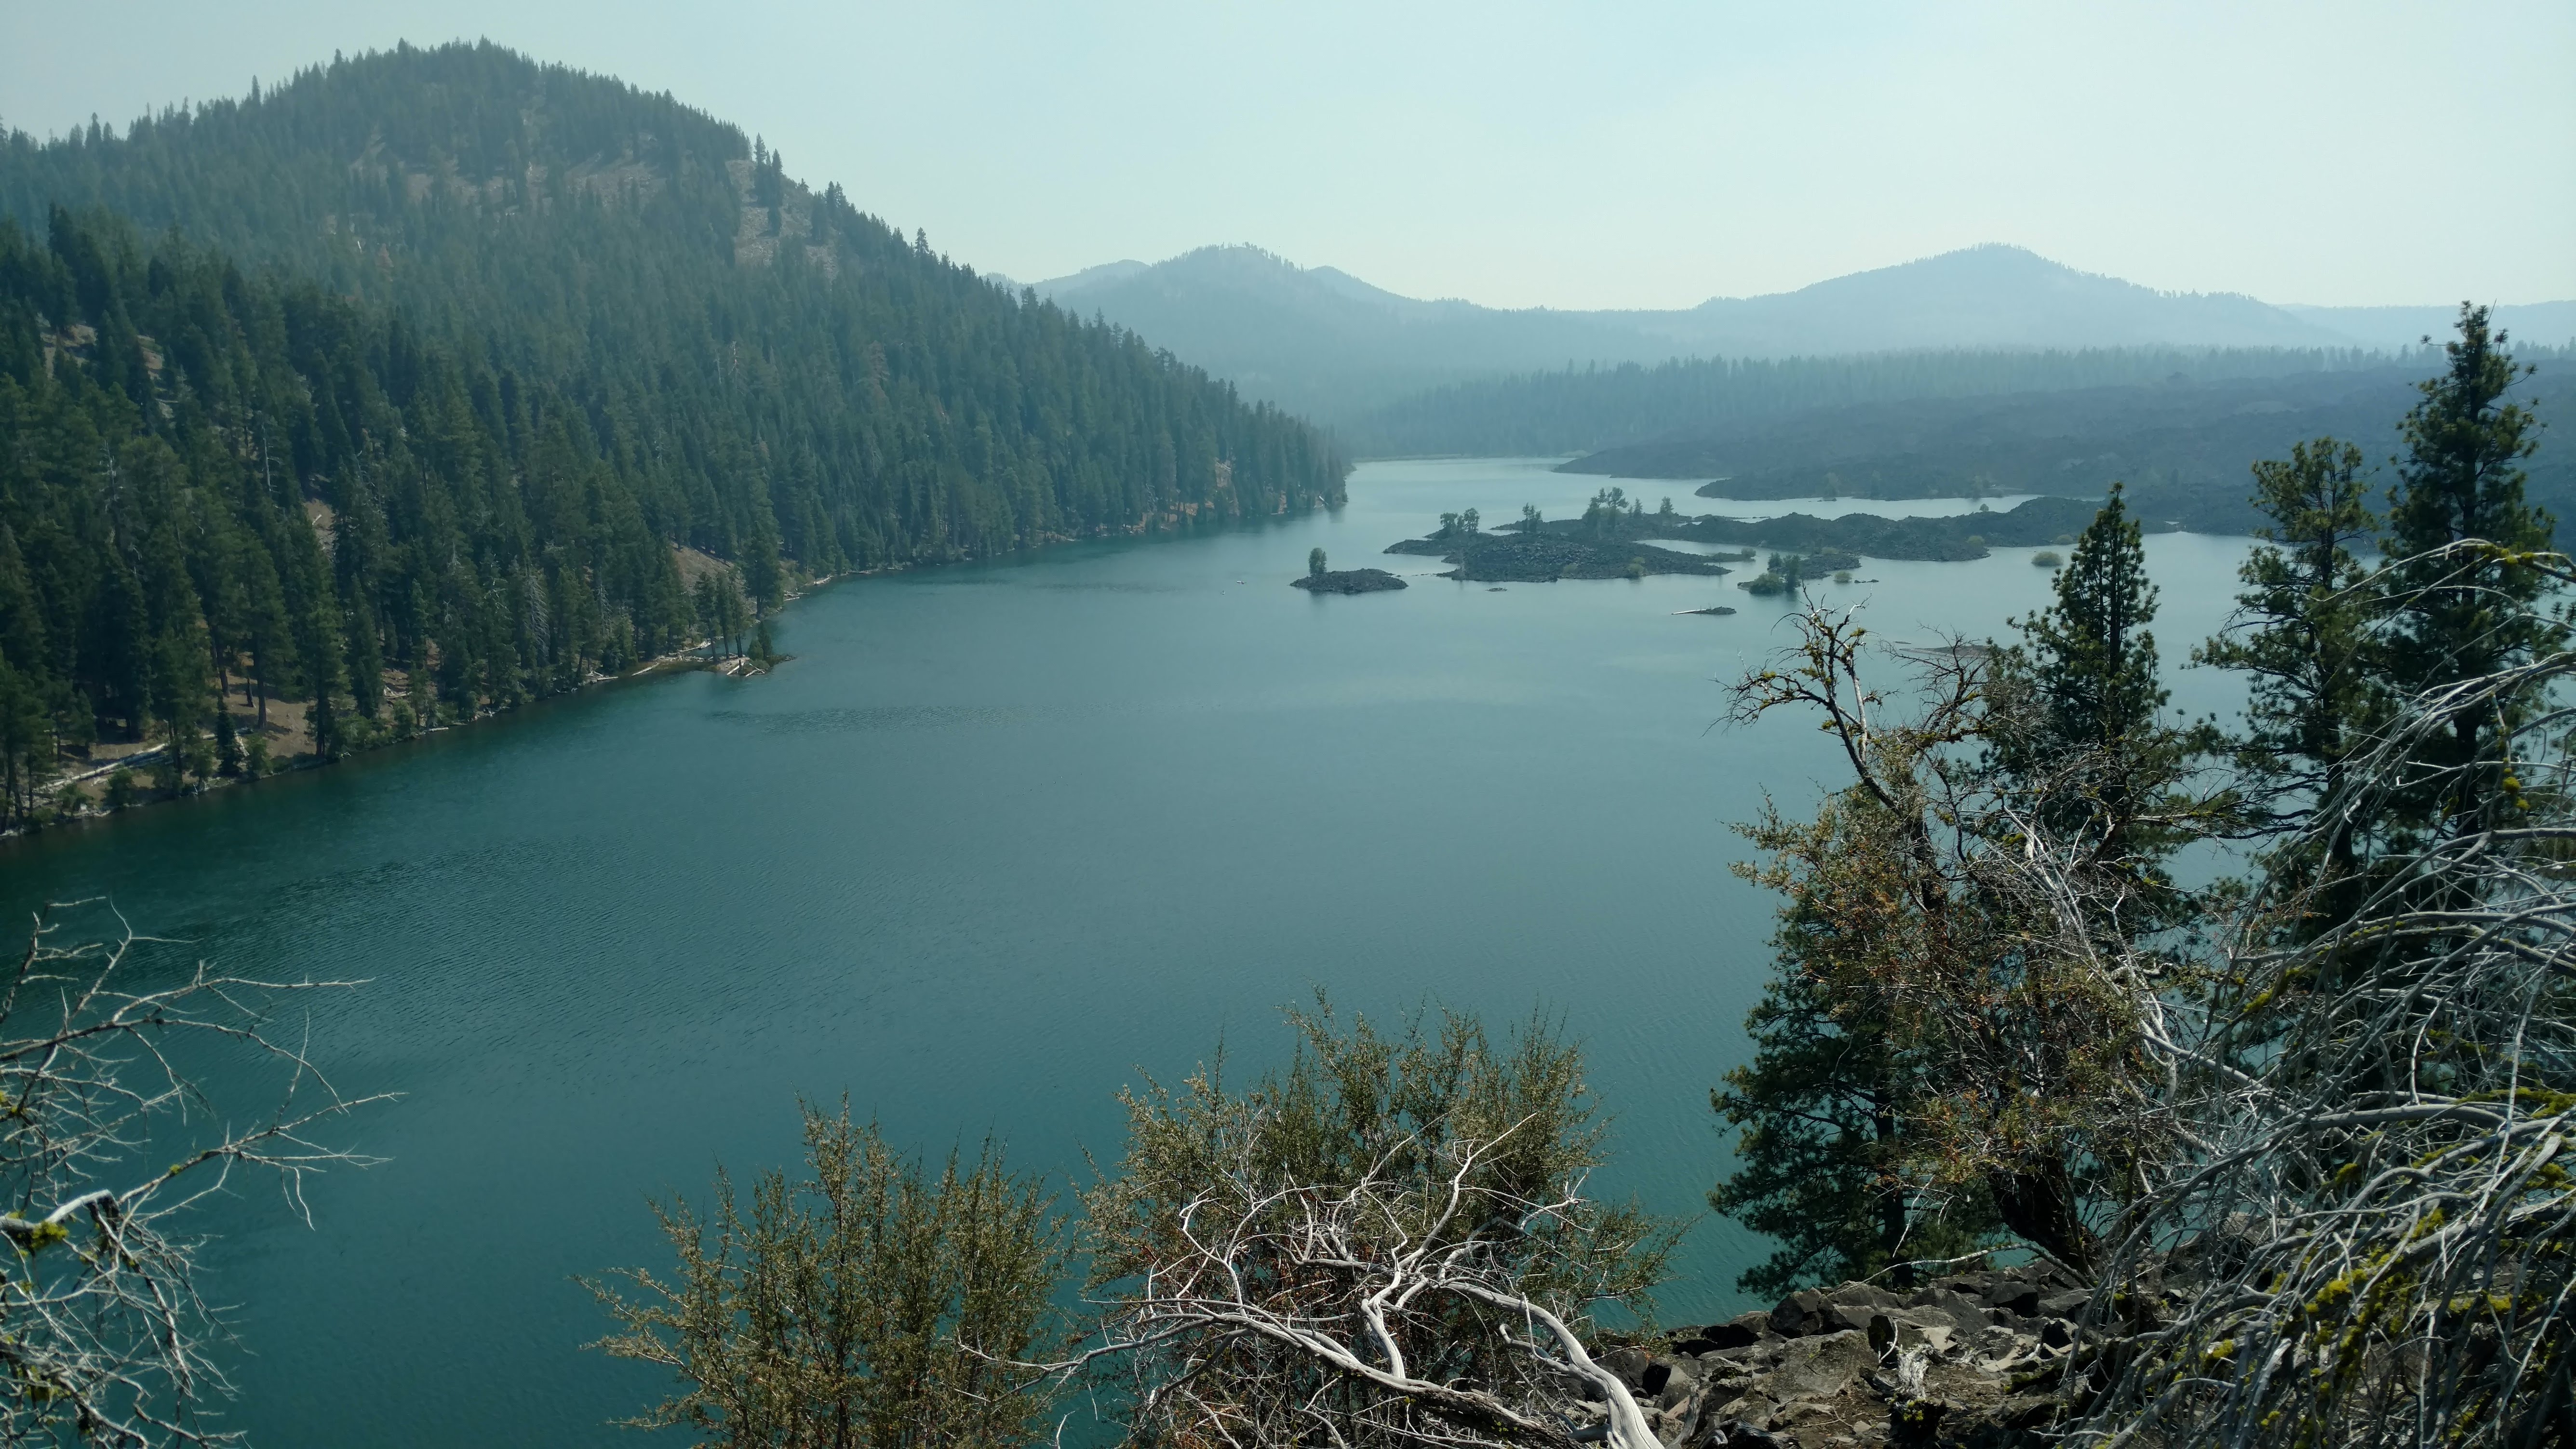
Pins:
x,y
1973,1360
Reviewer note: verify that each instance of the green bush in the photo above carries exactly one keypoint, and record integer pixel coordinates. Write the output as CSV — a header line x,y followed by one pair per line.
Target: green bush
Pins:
x,y
870,1303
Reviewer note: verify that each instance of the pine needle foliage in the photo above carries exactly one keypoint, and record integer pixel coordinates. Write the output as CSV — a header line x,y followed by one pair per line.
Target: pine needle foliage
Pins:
x,y
868,1303
2462,614
2302,635
408,375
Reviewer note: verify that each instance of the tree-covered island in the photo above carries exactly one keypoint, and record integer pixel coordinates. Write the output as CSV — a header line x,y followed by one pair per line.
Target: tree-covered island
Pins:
x,y
1604,544
1610,541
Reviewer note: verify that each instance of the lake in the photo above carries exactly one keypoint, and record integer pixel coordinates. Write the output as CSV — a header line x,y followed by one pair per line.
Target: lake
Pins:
x,y
1000,838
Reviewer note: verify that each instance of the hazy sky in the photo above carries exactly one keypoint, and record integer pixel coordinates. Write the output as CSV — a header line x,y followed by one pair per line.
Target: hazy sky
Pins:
x,y
1575,155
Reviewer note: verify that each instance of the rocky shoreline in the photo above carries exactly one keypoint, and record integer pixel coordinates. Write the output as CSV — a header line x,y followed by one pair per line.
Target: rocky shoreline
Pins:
x,y
1972,1360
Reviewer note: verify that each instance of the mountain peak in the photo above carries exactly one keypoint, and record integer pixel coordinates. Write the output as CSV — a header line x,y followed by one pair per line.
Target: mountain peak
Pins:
x,y
1997,295
1320,339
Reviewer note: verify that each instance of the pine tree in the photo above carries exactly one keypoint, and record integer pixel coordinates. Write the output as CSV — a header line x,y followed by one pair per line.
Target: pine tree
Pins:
x,y
2462,590
1825,1109
26,744
2302,637
2074,722
228,753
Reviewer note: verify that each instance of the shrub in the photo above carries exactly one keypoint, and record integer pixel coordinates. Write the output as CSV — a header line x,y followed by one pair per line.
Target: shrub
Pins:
x,y
870,1303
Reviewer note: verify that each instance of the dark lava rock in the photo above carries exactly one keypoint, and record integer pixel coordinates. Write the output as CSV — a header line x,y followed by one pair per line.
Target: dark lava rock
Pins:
x,y
2064,1305
1350,581
2020,1299
1547,557
1719,1337
1949,1364
1801,1313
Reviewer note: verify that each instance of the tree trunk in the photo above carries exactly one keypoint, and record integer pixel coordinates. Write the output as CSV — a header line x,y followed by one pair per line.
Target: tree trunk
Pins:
x,y
2038,1203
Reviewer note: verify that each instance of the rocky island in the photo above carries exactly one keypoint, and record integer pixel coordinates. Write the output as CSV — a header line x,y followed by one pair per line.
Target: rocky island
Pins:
x,y
1953,538
1349,581
1541,553
1322,580
1610,541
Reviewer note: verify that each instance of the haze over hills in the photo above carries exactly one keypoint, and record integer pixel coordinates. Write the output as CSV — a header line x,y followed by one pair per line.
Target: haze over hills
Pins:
x,y
1321,341
2547,324
2183,445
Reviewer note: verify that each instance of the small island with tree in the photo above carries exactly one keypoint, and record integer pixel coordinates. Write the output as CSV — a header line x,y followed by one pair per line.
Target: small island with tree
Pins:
x,y
1322,580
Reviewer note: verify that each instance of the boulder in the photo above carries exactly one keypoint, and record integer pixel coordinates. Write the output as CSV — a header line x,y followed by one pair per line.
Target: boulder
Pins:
x,y
1743,1332
2064,1305
1800,1314
2014,1297
1630,1365
1961,1311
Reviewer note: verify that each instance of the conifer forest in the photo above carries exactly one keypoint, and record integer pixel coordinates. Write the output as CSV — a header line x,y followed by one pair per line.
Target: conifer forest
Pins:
x,y
1990,864
413,439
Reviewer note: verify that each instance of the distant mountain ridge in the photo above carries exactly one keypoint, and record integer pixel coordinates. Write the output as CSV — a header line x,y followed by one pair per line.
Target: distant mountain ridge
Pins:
x,y
1985,296
2548,324
1321,341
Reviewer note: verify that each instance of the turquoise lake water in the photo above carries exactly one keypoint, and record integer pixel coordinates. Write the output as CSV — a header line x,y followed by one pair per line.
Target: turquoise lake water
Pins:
x,y
1000,838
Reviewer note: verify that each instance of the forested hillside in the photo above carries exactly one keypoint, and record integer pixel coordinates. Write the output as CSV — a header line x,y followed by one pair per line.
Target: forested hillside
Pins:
x,y
417,372
1579,410
2183,446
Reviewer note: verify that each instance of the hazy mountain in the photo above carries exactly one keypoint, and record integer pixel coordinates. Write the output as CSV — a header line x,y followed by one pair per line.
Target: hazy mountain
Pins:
x,y
1989,296
1322,341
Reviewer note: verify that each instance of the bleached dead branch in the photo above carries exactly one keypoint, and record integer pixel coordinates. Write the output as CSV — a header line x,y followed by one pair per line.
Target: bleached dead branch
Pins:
x,y
1341,1315
104,1334
2372,1240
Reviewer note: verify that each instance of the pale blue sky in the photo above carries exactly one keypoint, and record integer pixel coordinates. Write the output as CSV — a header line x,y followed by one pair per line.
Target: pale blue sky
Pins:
x,y
1577,155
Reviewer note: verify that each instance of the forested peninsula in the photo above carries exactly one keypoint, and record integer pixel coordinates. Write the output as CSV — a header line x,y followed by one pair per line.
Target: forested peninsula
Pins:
x,y
435,380
2178,439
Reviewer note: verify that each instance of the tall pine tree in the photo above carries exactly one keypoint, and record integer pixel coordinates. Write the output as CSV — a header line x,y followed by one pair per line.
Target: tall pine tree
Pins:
x,y
2462,591
2075,719
2302,637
